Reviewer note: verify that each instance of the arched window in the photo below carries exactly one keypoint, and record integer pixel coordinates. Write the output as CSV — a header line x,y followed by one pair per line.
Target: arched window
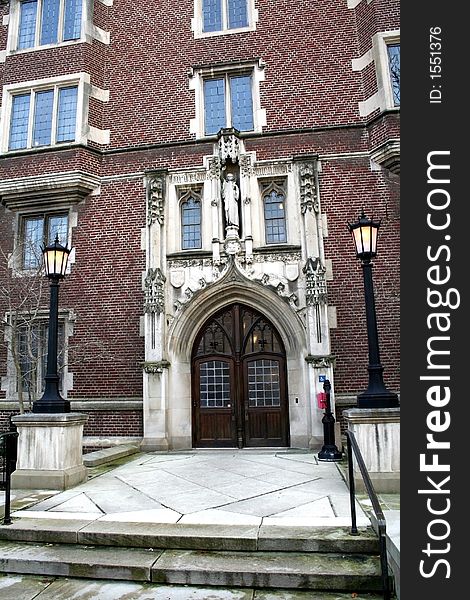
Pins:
x,y
274,202
191,221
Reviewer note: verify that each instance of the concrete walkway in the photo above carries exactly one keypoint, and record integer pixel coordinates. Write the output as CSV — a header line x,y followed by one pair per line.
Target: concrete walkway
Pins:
x,y
247,494
224,487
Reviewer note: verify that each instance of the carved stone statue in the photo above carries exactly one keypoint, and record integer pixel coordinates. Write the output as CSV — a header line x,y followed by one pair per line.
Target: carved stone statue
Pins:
x,y
231,195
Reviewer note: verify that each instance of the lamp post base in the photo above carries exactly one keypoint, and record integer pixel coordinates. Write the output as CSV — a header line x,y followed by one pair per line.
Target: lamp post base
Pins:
x,y
383,399
330,454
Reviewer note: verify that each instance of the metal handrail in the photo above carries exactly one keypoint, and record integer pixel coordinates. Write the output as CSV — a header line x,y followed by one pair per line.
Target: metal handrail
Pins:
x,y
8,450
352,443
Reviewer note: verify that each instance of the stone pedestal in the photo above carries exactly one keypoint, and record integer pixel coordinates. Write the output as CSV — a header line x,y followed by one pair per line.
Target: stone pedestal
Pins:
x,y
50,455
377,432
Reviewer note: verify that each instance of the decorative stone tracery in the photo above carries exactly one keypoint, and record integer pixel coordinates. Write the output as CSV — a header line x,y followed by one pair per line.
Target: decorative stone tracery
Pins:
x,y
154,293
156,200
308,191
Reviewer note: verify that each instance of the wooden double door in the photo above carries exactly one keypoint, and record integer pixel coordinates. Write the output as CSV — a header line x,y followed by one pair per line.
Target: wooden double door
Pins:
x,y
239,390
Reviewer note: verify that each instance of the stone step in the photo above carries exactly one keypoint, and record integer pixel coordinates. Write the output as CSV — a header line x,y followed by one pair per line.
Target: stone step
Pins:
x,y
310,571
106,455
31,587
267,538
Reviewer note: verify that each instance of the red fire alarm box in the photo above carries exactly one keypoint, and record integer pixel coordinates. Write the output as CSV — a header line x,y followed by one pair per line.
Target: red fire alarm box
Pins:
x,y
321,400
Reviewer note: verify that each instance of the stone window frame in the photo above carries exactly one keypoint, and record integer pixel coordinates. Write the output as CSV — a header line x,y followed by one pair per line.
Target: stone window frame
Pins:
x,y
265,185
184,193
380,42
181,192
89,31
198,74
83,131
197,21
31,210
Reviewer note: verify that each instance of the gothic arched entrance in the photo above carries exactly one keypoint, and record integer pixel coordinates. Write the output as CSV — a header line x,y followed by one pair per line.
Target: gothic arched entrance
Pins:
x,y
239,390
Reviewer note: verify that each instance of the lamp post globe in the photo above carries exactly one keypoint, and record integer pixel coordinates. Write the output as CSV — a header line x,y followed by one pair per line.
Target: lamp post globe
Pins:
x,y
55,259
365,234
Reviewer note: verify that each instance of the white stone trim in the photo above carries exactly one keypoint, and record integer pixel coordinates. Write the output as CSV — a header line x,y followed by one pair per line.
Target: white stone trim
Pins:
x,y
383,98
13,23
107,2
99,136
353,3
84,132
99,93
101,35
5,20
361,63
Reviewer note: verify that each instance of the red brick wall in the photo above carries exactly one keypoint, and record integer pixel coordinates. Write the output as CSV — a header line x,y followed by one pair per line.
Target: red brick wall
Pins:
x,y
309,91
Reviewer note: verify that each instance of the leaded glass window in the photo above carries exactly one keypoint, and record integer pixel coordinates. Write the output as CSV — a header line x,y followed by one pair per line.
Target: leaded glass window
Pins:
x,y
44,22
214,384
40,230
228,102
394,69
219,15
274,206
259,336
191,221
43,117
264,387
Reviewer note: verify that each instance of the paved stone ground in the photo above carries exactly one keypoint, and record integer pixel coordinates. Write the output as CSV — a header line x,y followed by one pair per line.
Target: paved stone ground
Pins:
x,y
213,487
228,487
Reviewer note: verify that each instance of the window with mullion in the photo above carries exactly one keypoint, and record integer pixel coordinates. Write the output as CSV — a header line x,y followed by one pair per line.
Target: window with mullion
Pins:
x,y
43,117
44,22
228,102
219,15
38,231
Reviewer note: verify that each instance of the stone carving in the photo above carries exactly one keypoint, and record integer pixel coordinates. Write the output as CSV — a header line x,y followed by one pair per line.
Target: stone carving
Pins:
x,y
315,287
272,169
308,191
189,177
231,195
246,166
177,277
288,257
321,361
154,294
156,201
229,145
214,167
154,367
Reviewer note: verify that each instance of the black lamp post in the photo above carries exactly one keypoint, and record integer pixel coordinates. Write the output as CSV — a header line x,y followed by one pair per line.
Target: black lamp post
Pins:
x,y
55,264
364,233
329,451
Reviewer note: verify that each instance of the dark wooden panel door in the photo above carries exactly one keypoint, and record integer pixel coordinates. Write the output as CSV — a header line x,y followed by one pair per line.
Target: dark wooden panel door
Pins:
x,y
265,402
213,414
239,382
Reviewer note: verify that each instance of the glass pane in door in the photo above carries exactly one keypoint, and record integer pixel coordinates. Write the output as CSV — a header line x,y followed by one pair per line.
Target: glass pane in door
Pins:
x,y
214,384
263,383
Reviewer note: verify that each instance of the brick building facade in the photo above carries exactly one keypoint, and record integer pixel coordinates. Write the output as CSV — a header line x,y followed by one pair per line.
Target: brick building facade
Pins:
x,y
203,163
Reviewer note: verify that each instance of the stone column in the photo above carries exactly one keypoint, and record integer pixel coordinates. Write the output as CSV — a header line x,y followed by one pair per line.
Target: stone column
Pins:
x,y
155,401
50,455
377,432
